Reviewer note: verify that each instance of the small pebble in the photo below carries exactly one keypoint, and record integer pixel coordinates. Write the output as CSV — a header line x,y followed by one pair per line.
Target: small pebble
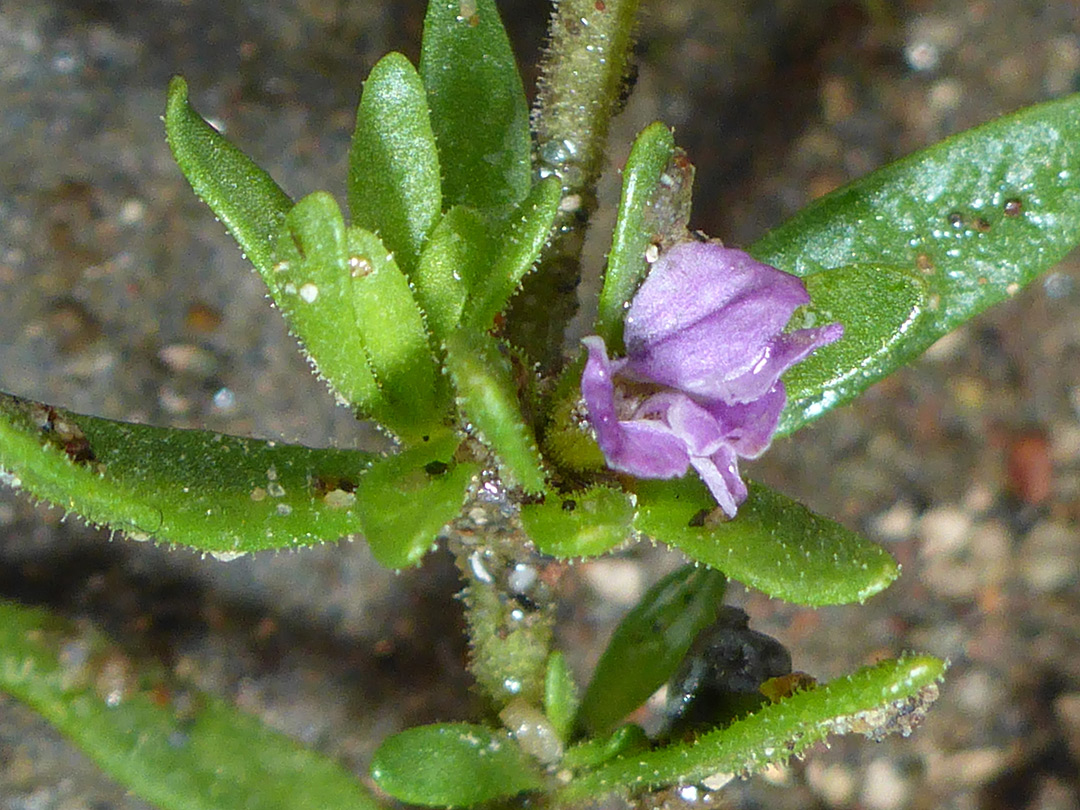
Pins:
x,y
616,581
834,783
1049,557
1067,710
884,788
944,529
1030,468
896,523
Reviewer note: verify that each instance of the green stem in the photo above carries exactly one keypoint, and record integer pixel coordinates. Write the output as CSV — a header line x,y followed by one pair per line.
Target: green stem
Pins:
x,y
508,608
582,78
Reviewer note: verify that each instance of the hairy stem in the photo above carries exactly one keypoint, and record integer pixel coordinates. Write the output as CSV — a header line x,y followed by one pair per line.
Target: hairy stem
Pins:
x,y
508,607
582,78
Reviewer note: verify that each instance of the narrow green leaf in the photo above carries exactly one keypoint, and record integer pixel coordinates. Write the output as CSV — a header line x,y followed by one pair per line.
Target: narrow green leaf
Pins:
x,y
649,644
310,282
406,499
525,235
774,544
395,338
196,754
878,307
560,695
626,265
457,254
978,216
353,310
478,106
453,765
222,494
890,696
394,185
580,524
244,197
483,378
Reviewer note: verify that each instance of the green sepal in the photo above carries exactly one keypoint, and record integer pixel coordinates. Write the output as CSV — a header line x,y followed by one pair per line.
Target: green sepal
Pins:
x,y
519,244
649,644
163,741
560,695
484,381
212,492
457,255
878,307
478,107
579,524
774,544
407,498
977,216
626,264
453,765
244,197
888,697
394,183
568,438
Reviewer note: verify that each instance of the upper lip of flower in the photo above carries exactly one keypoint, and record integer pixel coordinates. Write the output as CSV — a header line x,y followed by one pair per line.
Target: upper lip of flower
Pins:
x,y
708,321
706,326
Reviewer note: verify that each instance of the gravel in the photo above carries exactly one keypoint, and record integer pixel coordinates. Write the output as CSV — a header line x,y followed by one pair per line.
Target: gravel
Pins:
x,y
123,297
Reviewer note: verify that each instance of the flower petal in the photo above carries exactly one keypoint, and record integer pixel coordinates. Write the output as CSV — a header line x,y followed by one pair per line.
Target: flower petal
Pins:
x,y
650,450
720,473
598,390
705,315
645,448
783,352
692,423
748,426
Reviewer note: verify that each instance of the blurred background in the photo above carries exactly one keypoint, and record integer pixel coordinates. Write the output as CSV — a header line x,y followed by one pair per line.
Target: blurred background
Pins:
x,y
121,296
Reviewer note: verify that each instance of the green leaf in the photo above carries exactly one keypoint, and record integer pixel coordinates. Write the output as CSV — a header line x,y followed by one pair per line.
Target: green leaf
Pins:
x,y
458,253
580,524
560,695
311,284
394,334
478,106
774,544
406,499
878,307
649,644
890,696
978,216
352,308
222,494
453,765
244,197
394,185
523,238
626,265
483,378
198,753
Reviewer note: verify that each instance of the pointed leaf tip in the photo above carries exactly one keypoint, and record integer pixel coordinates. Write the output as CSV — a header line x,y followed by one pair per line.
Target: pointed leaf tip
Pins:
x,y
479,112
773,544
394,176
242,195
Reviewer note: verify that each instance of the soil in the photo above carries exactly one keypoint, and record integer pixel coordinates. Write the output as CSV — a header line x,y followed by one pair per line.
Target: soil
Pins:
x,y
121,296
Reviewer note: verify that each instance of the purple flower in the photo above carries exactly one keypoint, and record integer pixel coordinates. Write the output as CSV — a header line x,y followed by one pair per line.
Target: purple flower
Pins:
x,y
700,385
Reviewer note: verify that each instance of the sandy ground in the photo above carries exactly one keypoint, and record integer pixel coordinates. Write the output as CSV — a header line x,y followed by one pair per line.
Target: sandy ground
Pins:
x,y
121,296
